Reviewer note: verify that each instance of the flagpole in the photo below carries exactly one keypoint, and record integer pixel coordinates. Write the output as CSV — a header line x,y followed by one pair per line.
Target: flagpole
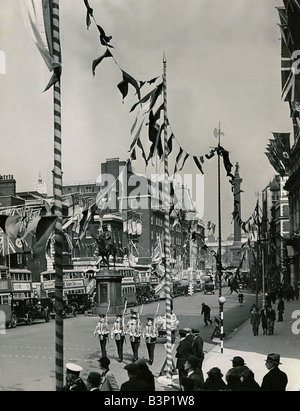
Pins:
x,y
166,193
57,191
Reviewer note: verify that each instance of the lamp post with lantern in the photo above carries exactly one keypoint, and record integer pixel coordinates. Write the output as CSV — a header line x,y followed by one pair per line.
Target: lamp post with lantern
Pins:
x,y
222,301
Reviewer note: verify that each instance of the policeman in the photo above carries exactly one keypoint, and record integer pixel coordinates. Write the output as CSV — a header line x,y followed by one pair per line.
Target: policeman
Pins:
x,y
103,332
73,380
150,334
118,333
134,332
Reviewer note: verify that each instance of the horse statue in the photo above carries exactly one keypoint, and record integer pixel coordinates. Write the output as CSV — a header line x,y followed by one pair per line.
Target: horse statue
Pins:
x,y
106,247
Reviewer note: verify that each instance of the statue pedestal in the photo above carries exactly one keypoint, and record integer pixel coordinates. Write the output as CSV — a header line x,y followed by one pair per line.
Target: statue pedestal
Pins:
x,y
108,289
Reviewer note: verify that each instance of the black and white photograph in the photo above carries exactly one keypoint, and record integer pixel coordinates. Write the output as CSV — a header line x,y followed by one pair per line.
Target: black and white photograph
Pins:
x,y
149,198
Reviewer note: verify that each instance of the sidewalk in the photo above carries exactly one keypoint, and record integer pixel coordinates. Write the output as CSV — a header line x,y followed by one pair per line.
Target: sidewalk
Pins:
x,y
254,350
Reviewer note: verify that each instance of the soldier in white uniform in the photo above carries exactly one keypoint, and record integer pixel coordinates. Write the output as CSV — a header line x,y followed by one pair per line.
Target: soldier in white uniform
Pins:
x,y
150,334
134,332
103,332
118,334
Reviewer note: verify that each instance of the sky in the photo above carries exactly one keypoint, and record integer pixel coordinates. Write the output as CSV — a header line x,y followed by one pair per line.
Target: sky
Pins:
x,y
223,66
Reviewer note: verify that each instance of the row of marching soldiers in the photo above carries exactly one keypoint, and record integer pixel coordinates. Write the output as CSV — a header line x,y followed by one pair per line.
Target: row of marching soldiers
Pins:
x,y
133,329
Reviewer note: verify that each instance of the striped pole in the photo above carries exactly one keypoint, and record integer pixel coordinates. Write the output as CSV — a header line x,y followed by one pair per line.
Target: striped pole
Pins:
x,y
57,191
222,329
166,195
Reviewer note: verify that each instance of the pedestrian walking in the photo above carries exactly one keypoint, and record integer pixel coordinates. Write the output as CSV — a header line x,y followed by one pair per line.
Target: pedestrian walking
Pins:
x,y
108,380
206,314
280,309
193,371
275,379
145,374
255,320
248,382
150,334
263,316
102,331
93,381
73,380
133,383
214,382
241,298
118,334
183,351
271,318
134,331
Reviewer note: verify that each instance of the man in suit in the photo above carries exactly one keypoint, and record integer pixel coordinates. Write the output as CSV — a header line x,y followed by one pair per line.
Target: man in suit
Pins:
x,y
193,371
134,383
183,351
198,347
108,380
93,381
275,379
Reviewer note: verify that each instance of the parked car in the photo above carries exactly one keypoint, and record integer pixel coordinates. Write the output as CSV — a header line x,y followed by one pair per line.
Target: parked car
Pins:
x,y
29,309
209,288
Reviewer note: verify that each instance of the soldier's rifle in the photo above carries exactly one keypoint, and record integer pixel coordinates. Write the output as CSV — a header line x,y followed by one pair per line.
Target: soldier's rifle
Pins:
x,y
123,320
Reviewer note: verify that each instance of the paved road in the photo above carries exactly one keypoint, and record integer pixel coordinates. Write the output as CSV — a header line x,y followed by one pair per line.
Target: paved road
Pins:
x,y
27,353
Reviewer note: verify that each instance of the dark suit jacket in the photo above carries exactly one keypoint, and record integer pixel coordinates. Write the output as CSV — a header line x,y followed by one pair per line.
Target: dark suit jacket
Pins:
x,y
134,384
183,351
274,380
198,347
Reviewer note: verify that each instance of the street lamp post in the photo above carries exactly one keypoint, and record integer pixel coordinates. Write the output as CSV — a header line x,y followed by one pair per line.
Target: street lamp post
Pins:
x,y
222,301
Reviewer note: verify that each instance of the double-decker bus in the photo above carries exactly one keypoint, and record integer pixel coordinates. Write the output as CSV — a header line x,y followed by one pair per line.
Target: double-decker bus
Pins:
x,y
14,284
78,287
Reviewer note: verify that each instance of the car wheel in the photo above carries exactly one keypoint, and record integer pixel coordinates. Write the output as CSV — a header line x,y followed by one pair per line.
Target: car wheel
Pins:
x,y
29,319
13,321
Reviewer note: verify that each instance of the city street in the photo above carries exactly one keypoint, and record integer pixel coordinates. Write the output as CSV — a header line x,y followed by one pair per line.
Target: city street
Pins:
x,y
27,359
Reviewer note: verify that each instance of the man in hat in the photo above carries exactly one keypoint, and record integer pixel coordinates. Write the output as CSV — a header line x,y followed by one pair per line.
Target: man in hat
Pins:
x,y
233,375
150,334
108,381
183,351
134,332
73,380
206,314
214,382
191,366
198,346
134,383
102,331
93,381
275,379
118,333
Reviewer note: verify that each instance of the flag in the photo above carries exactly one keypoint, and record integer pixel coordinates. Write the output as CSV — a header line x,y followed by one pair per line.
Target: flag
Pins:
x,y
88,216
123,85
99,59
198,164
179,155
43,231
37,17
104,39
10,225
89,13
157,253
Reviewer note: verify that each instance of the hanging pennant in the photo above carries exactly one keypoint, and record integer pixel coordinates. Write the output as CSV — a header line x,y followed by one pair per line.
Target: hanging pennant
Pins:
x,y
99,59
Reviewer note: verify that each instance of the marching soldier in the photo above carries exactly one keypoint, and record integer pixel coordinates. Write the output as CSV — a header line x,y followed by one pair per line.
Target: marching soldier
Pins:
x,y
73,380
134,331
103,332
150,334
118,333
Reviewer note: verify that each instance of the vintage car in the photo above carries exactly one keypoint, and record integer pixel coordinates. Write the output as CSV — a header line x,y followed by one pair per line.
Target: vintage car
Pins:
x,y
209,288
27,310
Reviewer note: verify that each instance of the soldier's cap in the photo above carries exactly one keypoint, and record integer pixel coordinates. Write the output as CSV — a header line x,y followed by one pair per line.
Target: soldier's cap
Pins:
x,y
193,360
238,360
73,368
94,378
133,314
118,315
149,319
194,331
132,368
104,362
215,371
101,315
274,358
187,329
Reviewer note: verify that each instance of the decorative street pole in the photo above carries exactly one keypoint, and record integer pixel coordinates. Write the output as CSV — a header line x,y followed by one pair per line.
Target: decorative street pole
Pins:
x,y
219,259
167,242
222,301
57,191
